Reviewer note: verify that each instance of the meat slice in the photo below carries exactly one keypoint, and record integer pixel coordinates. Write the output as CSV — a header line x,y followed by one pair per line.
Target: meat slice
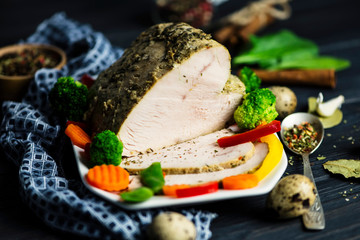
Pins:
x,y
261,150
201,154
250,165
171,85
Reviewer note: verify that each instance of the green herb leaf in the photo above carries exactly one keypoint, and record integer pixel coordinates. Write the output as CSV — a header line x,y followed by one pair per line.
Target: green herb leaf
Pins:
x,y
285,50
274,46
312,63
348,168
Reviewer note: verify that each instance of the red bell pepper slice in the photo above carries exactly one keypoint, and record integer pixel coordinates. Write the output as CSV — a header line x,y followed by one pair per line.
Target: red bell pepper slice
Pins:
x,y
205,188
87,80
251,135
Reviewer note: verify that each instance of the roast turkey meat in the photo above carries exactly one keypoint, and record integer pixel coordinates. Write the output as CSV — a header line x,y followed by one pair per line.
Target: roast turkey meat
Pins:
x,y
171,85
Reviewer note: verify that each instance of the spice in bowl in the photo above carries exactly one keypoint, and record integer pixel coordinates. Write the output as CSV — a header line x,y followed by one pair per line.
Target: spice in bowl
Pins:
x,y
18,64
301,138
27,61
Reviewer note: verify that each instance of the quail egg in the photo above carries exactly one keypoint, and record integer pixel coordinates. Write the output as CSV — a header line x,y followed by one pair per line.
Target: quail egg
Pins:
x,y
286,100
171,225
292,196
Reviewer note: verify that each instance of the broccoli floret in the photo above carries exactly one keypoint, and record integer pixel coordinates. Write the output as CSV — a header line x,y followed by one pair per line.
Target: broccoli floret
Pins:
x,y
258,107
69,98
250,79
106,148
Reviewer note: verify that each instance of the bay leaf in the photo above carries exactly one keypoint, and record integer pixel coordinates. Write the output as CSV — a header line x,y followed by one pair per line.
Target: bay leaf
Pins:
x,y
346,167
312,104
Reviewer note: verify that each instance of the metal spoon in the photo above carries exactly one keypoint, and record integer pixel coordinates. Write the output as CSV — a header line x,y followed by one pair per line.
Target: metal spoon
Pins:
x,y
314,218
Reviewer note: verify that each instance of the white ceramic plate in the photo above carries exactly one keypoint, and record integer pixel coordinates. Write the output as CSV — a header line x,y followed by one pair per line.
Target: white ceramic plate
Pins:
x,y
265,186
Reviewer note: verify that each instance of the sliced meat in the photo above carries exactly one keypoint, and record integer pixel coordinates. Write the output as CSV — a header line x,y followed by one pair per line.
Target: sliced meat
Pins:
x,y
261,150
171,85
199,155
250,165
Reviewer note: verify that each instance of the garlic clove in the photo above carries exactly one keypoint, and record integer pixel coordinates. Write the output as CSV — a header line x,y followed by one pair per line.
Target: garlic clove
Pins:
x,y
326,109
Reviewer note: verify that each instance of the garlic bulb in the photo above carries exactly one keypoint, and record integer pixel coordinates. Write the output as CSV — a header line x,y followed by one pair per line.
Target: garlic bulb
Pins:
x,y
326,109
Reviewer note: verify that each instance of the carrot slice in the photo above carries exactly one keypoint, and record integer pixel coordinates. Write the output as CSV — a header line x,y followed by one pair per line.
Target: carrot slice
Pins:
x,y
241,181
108,177
80,124
170,190
77,135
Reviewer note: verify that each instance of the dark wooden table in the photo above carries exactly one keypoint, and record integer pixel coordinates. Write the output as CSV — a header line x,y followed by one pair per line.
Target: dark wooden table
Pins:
x,y
334,25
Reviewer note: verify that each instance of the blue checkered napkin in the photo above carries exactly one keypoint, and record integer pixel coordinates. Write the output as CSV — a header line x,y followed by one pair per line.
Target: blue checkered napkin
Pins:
x,y
33,139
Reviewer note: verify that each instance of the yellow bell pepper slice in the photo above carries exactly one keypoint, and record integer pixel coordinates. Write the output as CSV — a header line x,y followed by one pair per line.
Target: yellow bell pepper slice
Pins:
x,y
272,158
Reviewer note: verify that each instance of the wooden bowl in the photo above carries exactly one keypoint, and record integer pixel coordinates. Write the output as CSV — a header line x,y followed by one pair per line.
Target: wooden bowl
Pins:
x,y
14,87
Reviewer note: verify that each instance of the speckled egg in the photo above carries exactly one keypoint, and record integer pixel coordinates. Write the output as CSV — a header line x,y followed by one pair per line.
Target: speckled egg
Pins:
x,y
171,225
286,100
292,196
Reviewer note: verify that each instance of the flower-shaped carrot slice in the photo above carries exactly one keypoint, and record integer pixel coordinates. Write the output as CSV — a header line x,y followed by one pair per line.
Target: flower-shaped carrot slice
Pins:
x,y
108,177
